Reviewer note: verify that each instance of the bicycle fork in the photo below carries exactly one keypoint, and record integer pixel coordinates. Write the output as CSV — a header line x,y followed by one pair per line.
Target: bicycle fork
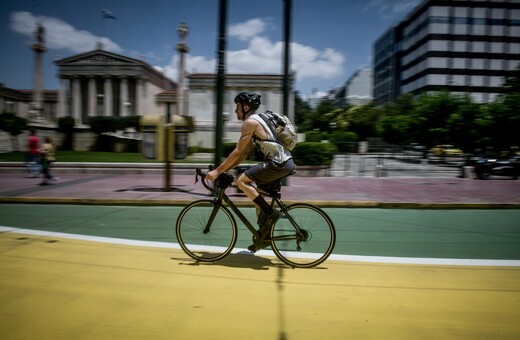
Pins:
x,y
217,202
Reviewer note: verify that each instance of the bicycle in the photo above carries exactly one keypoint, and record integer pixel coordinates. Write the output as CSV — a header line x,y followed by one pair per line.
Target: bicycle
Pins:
x,y
303,236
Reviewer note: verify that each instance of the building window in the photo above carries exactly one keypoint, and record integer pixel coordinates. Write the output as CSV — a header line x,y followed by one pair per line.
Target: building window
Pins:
x,y
459,63
477,80
497,47
438,45
437,62
496,64
459,46
478,64
478,47
496,81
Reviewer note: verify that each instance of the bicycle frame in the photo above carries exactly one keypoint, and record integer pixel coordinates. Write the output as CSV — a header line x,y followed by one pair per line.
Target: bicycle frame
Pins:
x,y
220,195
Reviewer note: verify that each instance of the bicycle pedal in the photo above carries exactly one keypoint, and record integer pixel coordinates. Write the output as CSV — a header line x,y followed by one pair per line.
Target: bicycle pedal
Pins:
x,y
252,248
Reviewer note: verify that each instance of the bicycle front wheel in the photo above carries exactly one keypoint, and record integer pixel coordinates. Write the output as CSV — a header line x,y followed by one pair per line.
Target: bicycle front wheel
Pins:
x,y
205,231
304,237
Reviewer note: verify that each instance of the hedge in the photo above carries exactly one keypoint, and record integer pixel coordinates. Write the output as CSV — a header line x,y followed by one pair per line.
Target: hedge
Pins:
x,y
314,153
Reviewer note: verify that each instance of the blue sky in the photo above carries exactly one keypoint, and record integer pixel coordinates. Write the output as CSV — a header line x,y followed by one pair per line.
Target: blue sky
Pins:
x,y
331,39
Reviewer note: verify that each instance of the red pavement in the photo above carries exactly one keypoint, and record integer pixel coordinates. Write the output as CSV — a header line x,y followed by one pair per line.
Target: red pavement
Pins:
x,y
325,191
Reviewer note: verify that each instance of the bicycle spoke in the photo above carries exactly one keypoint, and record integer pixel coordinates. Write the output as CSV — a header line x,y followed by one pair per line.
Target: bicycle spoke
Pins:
x,y
309,246
206,232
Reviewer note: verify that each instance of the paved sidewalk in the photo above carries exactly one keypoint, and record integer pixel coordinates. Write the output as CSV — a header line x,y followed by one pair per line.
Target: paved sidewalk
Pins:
x,y
148,188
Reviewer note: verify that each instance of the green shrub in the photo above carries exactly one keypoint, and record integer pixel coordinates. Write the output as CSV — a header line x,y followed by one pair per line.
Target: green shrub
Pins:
x,y
343,136
315,136
313,153
100,124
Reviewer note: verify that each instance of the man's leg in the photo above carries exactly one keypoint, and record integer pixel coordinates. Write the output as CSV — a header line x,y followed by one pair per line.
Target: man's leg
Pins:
x,y
244,183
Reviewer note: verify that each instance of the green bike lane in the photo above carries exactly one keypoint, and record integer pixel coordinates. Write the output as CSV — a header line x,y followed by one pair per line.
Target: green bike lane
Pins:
x,y
491,234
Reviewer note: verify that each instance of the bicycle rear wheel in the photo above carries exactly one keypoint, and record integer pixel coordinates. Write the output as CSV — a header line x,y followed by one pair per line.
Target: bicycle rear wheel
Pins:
x,y
312,244
206,232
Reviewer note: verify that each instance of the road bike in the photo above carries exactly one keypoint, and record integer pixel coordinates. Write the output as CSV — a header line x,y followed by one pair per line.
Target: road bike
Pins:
x,y
303,236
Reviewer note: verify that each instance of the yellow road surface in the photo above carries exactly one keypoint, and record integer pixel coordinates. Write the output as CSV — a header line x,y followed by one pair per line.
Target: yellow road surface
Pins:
x,y
53,288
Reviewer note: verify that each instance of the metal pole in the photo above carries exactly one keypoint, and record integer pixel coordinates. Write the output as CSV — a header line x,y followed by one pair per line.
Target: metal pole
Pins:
x,y
167,146
287,57
221,79
287,64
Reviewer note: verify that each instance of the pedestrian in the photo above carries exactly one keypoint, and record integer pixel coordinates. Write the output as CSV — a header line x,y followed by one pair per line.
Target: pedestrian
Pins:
x,y
48,157
278,162
32,158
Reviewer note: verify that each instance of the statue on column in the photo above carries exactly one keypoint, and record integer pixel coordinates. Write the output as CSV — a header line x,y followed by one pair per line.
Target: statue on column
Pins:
x,y
39,34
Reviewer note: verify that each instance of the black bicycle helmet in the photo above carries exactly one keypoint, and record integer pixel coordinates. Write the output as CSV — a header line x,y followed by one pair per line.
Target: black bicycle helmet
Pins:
x,y
250,98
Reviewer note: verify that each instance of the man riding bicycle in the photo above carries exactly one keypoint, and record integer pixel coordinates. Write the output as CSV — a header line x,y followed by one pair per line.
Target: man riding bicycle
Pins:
x,y
277,164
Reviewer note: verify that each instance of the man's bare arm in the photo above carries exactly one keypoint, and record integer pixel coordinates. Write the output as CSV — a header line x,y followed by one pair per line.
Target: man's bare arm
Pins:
x,y
241,151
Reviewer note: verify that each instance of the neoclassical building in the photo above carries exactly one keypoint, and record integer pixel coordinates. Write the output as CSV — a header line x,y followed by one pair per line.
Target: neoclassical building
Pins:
x,y
101,83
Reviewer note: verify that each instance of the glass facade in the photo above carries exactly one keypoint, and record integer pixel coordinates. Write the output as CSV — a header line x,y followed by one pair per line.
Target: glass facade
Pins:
x,y
461,45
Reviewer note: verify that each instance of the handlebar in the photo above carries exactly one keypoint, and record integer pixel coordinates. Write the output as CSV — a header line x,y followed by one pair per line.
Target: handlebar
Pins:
x,y
202,175
223,181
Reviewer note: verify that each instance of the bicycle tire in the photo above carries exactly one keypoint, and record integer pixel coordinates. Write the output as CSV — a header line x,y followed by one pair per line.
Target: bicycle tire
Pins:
x,y
317,240
213,245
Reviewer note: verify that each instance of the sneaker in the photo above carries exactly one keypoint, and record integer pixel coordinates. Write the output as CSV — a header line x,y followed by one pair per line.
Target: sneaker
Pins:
x,y
55,179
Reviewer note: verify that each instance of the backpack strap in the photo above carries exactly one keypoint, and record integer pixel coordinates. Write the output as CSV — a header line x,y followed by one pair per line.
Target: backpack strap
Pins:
x,y
268,121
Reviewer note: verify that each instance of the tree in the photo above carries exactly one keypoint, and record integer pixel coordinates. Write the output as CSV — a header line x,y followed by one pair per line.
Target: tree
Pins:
x,y
463,125
302,109
430,117
66,126
320,118
363,119
14,125
395,122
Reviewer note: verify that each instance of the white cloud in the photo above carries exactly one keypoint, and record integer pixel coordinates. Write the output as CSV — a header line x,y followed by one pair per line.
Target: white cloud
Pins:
x,y
264,56
59,34
247,30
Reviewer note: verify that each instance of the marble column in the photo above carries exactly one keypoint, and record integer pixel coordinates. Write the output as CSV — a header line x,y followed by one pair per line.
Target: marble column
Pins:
x,y
92,97
124,97
108,97
141,96
76,100
61,99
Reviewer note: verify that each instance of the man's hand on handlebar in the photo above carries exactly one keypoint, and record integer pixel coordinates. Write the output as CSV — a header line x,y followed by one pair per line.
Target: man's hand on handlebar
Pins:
x,y
212,175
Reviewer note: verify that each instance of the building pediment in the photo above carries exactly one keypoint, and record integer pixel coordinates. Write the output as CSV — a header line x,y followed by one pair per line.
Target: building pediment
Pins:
x,y
98,57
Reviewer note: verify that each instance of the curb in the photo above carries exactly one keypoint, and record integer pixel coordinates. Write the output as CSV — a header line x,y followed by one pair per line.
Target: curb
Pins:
x,y
246,203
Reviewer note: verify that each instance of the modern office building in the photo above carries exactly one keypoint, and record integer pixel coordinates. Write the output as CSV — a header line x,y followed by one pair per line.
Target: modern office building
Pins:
x,y
464,46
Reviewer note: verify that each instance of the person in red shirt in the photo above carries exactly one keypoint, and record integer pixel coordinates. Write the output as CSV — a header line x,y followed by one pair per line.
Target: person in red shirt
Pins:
x,y
32,160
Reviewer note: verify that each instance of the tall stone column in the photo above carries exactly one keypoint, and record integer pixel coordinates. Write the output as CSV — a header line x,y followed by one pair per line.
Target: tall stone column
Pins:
x,y
39,48
92,97
182,48
108,97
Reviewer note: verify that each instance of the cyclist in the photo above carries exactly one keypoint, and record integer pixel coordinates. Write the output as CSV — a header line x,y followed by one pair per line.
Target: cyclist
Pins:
x,y
277,163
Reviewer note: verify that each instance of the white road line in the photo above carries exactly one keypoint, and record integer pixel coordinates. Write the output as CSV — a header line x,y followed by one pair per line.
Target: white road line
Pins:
x,y
334,257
